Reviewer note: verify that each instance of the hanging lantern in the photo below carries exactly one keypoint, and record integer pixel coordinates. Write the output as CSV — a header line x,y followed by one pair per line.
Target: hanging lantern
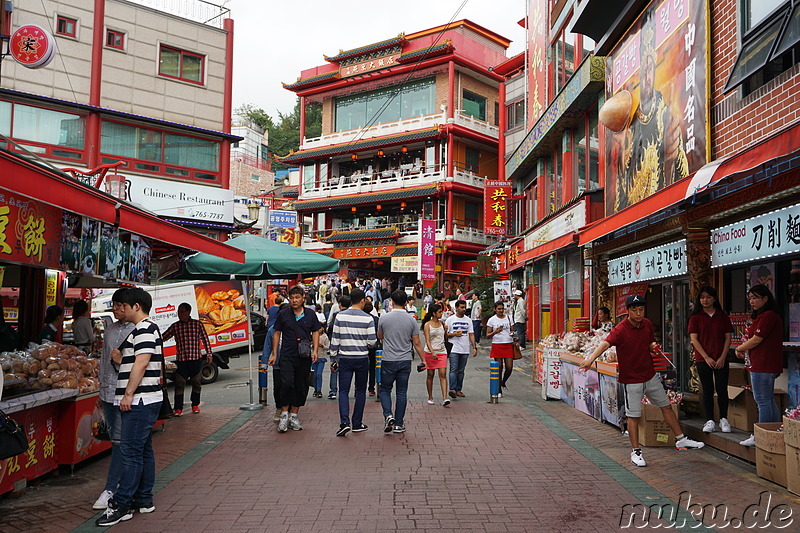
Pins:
x,y
379,207
404,149
380,153
353,209
354,157
402,205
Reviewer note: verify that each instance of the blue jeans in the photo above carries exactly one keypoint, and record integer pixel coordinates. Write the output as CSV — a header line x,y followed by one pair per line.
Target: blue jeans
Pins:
x,y
349,366
317,368
458,362
477,326
764,394
519,328
138,460
334,382
113,418
395,372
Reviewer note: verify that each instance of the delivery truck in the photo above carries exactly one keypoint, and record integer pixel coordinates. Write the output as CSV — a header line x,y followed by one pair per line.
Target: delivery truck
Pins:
x,y
218,305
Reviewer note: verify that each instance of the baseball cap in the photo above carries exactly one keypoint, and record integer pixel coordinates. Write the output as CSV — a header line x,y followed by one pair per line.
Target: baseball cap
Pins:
x,y
634,300
518,293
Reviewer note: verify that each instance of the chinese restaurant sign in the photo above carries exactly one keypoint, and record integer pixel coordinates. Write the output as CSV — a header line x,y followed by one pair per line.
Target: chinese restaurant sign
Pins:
x,y
427,249
369,65
660,262
662,62
768,235
29,230
495,206
361,252
537,58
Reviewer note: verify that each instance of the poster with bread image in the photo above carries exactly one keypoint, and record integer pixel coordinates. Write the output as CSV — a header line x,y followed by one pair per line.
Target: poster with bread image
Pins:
x,y
220,305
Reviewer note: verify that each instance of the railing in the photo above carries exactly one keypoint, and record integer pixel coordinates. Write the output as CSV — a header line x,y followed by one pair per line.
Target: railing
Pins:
x,y
409,234
471,234
195,10
473,123
247,159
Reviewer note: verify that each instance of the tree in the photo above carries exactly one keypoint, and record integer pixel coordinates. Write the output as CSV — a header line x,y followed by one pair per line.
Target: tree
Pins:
x,y
483,283
284,133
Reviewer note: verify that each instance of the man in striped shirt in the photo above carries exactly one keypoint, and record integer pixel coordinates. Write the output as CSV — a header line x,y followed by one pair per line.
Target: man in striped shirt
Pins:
x,y
138,396
353,336
189,334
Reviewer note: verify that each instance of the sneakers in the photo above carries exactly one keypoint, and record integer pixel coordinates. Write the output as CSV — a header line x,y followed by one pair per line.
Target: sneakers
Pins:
x,y
332,396
399,429
686,443
709,427
283,423
143,508
461,394
388,424
196,409
113,516
750,441
446,402
452,393
102,501
372,393
344,429
294,423
431,402
277,416
637,458
724,425
360,427
317,394
177,412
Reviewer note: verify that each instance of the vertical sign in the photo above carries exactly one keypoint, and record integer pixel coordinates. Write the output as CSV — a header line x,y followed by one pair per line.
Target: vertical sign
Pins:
x,y
51,287
427,249
537,60
495,206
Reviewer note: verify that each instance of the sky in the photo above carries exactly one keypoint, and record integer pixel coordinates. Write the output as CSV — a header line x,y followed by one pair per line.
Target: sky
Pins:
x,y
275,40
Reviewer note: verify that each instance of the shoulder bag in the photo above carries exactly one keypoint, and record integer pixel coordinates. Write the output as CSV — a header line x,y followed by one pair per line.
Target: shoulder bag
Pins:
x,y
13,440
515,344
303,345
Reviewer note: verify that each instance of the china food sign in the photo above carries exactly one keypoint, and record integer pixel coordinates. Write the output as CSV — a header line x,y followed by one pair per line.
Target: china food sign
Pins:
x,y
769,235
29,230
495,207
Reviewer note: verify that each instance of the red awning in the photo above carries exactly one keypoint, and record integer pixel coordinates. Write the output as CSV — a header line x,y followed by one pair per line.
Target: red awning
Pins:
x,y
36,181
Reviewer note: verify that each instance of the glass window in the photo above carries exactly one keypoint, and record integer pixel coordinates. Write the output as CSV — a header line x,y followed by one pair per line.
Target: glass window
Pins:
x,y
180,64
170,63
48,127
309,176
474,105
115,39
754,54
473,159
5,119
191,152
472,214
579,140
754,11
515,115
66,26
386,105
594,147
129,141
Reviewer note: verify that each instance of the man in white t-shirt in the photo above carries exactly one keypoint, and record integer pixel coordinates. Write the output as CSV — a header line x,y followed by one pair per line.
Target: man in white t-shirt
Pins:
x,y
475,314
462,336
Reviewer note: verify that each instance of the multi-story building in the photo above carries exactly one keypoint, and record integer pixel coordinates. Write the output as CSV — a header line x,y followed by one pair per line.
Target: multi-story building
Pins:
x,y
251,171
147,83
410,130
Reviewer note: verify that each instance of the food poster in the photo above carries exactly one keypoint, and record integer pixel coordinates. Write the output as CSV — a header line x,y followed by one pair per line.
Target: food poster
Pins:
x,y
109,257
568,372
662,63
123,272
71,229
221,310
763,274
164,311
587,392
41,427
90,241
612,395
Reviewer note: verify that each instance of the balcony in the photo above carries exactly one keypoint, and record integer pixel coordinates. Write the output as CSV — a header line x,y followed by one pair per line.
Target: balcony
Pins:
x,y
409,234
195,10
401,126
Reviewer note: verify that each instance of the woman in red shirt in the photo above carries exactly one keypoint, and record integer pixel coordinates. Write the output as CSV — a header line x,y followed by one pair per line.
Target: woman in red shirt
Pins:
x,y
765,345
710,332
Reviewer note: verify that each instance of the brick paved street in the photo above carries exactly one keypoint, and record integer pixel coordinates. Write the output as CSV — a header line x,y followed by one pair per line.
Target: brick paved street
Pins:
x,y
522,465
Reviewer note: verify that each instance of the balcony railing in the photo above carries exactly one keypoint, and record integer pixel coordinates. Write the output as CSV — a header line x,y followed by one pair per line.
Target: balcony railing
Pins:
x,y
409,234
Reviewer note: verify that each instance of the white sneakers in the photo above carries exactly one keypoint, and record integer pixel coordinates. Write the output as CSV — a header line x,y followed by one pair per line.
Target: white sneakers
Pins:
x,y
686,442
637,458
102,501
724,425
709,427
751,441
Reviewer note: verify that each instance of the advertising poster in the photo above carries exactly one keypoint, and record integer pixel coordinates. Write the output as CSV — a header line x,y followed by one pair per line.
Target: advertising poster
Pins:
x,y
221,309
502,293
139,260
763,274
109,257
662,63
612,395
124,256
71,228
587,391
90,241
568,373
30,231
495,202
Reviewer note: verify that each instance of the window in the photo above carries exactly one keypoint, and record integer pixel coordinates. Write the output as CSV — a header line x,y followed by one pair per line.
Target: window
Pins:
x,y
255,177
568,50
5,119
386,105
66,26
472,214
309,176
515,115
115,39
181,65
48,127
585,157
770,43
473,158
474,105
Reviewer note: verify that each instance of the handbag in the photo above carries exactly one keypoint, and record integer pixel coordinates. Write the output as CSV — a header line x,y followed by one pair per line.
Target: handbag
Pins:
x,y
515,344
100,430
166,407
13,440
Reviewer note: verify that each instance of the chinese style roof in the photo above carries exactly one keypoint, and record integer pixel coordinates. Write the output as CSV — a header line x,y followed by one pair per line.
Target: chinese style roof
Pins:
x,y
354,199
425,53
374,47
326,253
351,147
313,80
405,251
361,235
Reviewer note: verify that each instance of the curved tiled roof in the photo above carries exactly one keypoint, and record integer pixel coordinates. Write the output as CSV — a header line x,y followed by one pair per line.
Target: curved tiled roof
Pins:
x,y
299,84
405,251
427,52
349,200
355,52
361,235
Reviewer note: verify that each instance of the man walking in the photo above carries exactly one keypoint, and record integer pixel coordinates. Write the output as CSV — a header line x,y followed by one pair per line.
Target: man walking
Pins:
x,y
272,316
476,315
461,334
341,305
398,332
189,335
138,397
634,339
114,334
520,317
299,328
353,336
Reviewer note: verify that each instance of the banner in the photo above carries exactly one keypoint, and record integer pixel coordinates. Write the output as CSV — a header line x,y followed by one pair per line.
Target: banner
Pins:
x,y
659,262
502,293
427,249
768,235
30,231
662,62
624,292
282,219
496,194
405,264
537,60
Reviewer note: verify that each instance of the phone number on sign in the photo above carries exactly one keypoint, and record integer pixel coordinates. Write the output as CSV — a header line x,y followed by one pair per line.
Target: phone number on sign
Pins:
x,y
208,215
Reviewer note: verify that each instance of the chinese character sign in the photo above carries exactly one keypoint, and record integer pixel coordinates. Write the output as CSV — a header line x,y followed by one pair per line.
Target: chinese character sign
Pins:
x,y
30,231
768,235
537,59
661,262
427,249
662,63
495,206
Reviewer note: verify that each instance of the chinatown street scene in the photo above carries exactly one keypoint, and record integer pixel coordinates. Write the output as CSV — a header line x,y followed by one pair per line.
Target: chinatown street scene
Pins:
x,y
455,266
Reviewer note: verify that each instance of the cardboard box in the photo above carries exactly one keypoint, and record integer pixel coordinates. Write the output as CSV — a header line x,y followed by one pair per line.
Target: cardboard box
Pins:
x,y
770,452
742,408
653,431
793,469
737,375
791,432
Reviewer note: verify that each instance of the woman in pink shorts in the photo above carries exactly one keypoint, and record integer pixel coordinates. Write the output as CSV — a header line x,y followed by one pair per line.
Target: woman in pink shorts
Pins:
x,y
435,331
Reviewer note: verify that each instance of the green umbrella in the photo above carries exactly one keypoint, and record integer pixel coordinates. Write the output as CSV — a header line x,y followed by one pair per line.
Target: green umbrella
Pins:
x,y
264,259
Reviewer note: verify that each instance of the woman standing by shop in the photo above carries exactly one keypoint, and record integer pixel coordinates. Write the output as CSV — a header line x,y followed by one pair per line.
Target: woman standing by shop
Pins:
x,y
603,322
82,330
500,329
53,319
435,352
710,333
764,349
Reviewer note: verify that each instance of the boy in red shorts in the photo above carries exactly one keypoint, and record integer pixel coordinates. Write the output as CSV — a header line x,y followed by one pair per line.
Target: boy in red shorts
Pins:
x,y
634,339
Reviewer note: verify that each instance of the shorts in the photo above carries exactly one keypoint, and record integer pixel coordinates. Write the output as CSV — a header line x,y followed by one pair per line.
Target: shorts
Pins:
x,y
634,392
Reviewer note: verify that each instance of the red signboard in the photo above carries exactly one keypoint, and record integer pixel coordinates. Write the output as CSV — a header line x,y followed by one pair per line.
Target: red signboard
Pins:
x,y
427,249
495,206
626,290
32,46
537,59
41,427
369,65
30,231
362,252
76,441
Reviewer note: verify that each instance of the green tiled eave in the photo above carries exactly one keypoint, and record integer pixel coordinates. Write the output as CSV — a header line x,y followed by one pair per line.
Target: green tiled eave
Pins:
x,y
405,251
579,95
355,52
360,235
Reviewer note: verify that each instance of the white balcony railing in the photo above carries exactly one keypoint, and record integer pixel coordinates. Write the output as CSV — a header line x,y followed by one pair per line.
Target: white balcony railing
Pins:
x,y
468,121
409,234
472,235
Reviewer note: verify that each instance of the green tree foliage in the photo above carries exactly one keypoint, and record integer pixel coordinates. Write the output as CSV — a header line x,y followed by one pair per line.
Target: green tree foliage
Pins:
x,y
483,283
284,131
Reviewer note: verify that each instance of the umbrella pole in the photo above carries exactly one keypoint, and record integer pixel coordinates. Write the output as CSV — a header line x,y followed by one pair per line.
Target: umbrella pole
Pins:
x,y
252,406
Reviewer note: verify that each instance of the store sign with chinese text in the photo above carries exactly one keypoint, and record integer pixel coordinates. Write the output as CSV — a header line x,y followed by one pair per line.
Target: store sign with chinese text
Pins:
x,y
282,219
567,222
537,59
495,206
427,249
369,65
182,199
30,231
32,46
769,235
405,264
660,262
362,252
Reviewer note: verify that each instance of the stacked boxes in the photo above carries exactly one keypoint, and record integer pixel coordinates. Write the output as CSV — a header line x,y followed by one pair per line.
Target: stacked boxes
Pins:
x,y
653,431
791,438
770,452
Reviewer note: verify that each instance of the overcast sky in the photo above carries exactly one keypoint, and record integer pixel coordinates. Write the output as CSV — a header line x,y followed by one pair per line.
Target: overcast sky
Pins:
x,y
275,40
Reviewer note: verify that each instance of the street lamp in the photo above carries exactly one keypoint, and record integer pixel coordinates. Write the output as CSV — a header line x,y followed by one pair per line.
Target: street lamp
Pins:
x,y
253,209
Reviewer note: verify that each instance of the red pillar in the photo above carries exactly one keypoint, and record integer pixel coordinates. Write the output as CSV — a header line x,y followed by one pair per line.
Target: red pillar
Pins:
x,y
302,119
451,89
227,106
501,144
449,224
95,84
